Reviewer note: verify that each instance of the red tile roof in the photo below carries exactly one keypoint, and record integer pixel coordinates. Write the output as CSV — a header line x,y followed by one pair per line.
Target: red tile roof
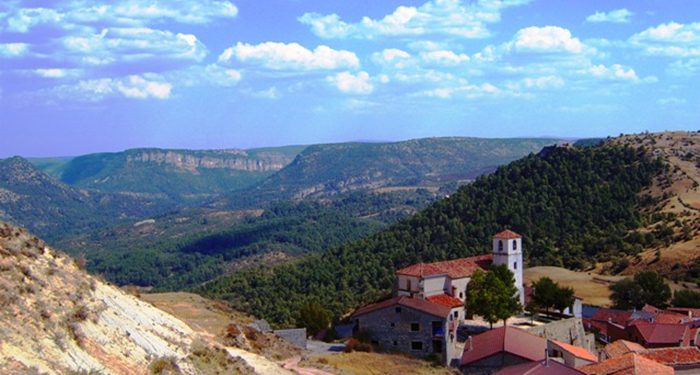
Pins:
x,y
507,235
616,316
670,317
414,303
685,310
681,357
445,300
622,347
659,333
504,339
602,327
628,364
539,368
576,351
455,269
650,309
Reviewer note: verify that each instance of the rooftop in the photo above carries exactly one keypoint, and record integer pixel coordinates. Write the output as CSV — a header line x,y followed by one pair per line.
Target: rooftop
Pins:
x,y
539,368
576,351
455,269
660,333
628,364
445,300
504,339
622,347
413,303
681,357
507,235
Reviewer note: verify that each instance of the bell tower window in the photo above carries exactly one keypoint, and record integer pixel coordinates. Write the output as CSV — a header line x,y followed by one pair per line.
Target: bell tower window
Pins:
x,y
515,244
500,245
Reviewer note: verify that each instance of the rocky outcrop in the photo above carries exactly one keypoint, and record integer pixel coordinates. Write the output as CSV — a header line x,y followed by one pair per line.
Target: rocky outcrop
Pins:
x,y
225,159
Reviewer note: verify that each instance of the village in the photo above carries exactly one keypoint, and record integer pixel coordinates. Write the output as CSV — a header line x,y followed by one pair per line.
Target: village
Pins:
x,y
426,317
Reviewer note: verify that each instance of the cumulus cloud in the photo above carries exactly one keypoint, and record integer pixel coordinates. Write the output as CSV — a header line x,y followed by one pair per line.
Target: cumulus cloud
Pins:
x,y
614,72
468,91
614,16
56,72
669,39
72,15
546,82
439,17
352,83
290,57
393,58
131,87
444,57
133,44
13,50
547,39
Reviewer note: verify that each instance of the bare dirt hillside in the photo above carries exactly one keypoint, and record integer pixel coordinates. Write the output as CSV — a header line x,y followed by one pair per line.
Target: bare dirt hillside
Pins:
x,y
671,238
56,319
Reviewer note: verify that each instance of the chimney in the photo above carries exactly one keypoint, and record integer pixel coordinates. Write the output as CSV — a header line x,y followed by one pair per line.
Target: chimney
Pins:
x,y
546,357
470,343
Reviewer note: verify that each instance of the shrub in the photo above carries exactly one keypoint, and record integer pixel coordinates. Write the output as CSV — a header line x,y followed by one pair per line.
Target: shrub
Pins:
x,y
163,365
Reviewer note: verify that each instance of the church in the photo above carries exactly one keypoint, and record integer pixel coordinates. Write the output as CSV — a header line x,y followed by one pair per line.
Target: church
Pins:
x,y
428,303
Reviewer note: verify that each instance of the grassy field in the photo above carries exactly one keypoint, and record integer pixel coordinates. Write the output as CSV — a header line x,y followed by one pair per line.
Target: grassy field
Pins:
x,y
359,363
591,287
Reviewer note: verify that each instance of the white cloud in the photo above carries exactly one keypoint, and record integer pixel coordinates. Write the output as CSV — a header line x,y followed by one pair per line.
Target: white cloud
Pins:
x,y
352,84
684,68
542,83
548,39
133,44
669,39
615,72
132,13
444,57
131,87
440,17
56,73
13,50
392,57
615,16
290,57
270,93
468,90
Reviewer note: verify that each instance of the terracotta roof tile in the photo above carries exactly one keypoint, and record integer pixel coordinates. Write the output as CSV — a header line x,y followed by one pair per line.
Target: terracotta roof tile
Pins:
x,y
507,235
689,356
504,339
414,303
616,316
576,351
539,368
659,333
630,363
455,269
622,347
445,300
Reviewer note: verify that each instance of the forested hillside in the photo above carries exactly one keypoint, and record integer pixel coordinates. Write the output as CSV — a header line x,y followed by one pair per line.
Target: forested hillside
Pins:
x,y
573,206
325,170
31,198
151,254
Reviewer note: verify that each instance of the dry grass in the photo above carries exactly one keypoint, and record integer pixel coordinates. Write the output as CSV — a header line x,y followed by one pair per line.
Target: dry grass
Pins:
x,y
593,288
374,363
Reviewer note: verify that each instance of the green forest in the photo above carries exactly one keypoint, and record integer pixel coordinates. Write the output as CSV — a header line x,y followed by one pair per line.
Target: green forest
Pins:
x,y
572,205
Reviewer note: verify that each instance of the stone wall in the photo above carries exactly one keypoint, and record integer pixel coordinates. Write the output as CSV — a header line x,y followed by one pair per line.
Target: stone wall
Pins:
x,y
568,331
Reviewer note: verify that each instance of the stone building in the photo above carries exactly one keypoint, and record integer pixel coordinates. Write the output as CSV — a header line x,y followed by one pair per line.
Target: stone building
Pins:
x,y
428,303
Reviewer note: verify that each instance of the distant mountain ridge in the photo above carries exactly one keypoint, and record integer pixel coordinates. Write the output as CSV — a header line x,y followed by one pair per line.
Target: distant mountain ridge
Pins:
x,y
329,169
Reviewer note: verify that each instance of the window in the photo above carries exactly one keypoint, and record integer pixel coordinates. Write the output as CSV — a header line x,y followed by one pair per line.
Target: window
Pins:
x,y
456,314
437,346
408,285
398,310
515,265
515,244
500,245
374,342
461,295
393,324
416,345
415,327
395,343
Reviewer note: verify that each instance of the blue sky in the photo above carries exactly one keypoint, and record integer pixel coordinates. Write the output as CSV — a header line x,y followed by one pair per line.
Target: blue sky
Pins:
x,y
80,76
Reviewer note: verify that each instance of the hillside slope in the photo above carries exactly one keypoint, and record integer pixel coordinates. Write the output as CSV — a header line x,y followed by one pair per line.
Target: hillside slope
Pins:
x,y
323,170
181,175
72,322
573,206
50,208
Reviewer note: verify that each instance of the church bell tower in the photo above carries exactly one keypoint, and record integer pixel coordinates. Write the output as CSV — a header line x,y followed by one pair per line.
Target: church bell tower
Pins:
x,y
508,250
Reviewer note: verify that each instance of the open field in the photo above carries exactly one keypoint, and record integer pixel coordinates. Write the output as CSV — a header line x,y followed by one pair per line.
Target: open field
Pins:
x,y
592,287
360,363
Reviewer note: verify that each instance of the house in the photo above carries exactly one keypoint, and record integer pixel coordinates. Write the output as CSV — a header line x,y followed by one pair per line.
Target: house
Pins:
x,y
628,364
506,346
412,325
428,302
539,368
501,347
570,331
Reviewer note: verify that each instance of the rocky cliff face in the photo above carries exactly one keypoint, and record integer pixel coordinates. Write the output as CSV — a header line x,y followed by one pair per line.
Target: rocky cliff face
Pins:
x,y
238,160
